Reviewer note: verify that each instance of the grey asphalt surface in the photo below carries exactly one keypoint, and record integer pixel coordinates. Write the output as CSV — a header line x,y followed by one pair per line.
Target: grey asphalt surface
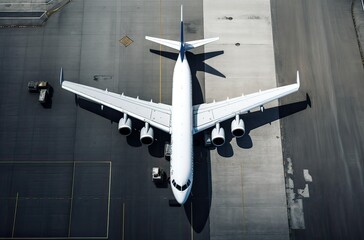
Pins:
x,y
84,39
37,198
318,38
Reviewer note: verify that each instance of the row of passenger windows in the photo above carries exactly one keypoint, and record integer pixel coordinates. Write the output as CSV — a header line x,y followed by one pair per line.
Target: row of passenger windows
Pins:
x,y
181,188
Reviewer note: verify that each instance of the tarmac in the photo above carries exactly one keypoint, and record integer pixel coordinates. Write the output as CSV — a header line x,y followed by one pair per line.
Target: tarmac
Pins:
x,y
248,186
319,39
67,173
84,38
28,13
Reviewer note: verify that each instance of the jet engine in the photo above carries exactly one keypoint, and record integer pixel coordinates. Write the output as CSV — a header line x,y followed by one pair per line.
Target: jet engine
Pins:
x,y
124,126
146,135
218,135
237,127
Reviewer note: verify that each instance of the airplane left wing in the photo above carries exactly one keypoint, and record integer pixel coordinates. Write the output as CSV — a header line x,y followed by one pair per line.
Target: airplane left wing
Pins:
x,y
156,114
208,114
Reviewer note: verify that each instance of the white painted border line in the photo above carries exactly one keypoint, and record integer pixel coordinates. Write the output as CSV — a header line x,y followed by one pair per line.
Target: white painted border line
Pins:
x,y
66,162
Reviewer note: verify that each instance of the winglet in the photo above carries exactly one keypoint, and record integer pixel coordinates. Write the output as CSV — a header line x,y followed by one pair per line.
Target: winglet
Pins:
x,y
298,78
61,77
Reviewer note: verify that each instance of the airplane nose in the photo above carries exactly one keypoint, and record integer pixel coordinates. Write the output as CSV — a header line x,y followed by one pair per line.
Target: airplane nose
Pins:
x,y
181,197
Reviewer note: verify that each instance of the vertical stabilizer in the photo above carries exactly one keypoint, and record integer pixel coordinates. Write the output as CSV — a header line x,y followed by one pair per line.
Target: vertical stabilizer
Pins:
x,y
182,40
181,45
182,48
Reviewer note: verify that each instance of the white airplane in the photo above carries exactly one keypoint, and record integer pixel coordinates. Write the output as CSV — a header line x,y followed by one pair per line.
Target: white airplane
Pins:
x,y
181,119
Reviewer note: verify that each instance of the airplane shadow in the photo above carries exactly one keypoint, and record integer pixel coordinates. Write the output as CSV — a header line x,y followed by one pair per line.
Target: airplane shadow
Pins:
x,y
197,207
196,63
257,119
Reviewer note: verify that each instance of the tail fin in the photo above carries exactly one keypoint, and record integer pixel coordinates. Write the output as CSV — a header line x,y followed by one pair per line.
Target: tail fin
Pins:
x,y
181,45
182,40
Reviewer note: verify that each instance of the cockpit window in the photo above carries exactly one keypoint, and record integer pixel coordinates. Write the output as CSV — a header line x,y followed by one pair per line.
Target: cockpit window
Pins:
x,y
179,187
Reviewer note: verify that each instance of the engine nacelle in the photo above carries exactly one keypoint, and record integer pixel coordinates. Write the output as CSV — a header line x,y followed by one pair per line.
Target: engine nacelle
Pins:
x,y
218,136
146,135
237,127
124,126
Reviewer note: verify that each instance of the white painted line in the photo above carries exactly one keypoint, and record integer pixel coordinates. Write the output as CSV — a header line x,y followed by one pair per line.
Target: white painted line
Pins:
x,y
191,221
28,3
108,203
304,192
59,238
307,176
53,162
15,210
54,238
123,234
71,207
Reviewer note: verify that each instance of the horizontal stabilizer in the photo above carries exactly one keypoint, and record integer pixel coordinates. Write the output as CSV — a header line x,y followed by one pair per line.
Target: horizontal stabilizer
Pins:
x,y
199,43
169,43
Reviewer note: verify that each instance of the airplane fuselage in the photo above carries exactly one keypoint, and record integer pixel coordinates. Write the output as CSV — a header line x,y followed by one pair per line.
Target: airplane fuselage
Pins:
x,y
181,164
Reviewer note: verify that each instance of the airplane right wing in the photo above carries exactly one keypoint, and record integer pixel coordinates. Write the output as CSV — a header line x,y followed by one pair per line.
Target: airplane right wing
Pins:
x,y
208,114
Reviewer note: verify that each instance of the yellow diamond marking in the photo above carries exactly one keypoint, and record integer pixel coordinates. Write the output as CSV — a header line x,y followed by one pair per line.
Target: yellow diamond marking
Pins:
x,y
126,41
